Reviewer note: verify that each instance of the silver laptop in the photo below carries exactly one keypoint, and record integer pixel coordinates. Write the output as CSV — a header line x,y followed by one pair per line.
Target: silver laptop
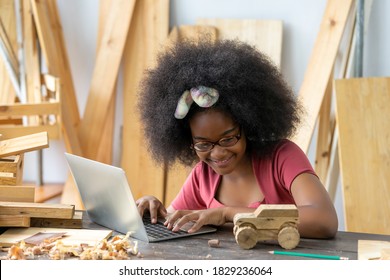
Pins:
x,y
108,200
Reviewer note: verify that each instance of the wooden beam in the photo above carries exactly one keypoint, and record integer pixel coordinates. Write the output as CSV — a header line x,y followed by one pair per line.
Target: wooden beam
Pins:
x,y
42,108
75,222
24,144
104,75
105,150
14,221
37,210
17,193
320,67
324,134
148,32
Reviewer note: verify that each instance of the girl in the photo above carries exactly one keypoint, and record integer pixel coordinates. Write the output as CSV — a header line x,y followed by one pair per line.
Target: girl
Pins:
x,y
225,105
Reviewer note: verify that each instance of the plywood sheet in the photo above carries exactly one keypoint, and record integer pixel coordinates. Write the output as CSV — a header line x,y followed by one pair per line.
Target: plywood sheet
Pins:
x,y
266,35
363,115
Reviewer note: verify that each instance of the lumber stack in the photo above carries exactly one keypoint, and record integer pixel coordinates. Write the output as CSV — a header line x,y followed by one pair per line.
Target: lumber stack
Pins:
x,y
12,152
17,203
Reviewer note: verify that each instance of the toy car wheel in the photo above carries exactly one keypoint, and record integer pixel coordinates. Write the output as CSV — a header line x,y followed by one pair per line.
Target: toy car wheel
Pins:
x,y
246,237
288,237
235,228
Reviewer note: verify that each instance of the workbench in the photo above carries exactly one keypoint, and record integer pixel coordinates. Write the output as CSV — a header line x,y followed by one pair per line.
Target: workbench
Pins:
x,y
345,244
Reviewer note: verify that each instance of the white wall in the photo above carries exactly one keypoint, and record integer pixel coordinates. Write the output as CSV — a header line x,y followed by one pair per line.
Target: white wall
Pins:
x,y
301,20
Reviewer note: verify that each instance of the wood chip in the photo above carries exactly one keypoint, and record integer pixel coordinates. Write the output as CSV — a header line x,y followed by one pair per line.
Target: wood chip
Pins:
x,y
213,243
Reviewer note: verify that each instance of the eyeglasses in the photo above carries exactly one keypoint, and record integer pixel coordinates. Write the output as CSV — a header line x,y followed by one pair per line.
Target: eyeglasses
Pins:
x,y
206,146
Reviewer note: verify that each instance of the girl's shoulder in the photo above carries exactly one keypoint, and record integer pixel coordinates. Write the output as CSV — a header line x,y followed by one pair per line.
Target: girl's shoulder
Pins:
x,y
285,148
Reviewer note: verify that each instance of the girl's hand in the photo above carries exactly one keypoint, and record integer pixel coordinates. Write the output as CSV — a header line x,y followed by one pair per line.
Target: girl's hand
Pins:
x,y
179,218
154,206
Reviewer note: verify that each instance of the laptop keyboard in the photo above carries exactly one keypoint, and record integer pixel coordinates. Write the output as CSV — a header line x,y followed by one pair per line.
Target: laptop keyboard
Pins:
x,y
159,230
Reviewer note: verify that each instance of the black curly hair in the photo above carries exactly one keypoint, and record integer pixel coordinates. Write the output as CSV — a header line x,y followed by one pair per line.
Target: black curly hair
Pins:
x,y
251,89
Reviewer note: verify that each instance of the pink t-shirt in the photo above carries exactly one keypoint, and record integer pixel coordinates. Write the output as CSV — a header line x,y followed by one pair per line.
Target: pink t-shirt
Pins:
x,y
274,176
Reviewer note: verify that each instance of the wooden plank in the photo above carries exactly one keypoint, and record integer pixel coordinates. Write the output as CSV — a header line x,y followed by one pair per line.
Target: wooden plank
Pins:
x,y
24,144
148,32
320,67
37,210
8,49
14,221
13,131
364,151
43,108
324,135
73,237
105,74
17,193
105,151
75,222
178,173
265,35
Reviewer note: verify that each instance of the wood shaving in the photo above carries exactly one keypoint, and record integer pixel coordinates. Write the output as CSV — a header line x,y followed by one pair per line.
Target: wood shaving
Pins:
x,y
118,248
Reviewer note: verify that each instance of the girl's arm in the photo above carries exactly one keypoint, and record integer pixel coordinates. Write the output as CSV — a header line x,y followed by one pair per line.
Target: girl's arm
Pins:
x,y
317,215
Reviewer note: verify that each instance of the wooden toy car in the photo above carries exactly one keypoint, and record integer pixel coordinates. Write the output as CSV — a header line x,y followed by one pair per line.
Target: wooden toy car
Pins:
x,y
268,222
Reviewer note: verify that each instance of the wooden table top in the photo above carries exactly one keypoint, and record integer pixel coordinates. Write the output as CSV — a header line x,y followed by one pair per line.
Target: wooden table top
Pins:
x,y
196,247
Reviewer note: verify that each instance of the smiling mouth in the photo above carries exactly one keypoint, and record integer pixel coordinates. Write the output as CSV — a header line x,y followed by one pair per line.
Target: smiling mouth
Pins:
x,y
221,163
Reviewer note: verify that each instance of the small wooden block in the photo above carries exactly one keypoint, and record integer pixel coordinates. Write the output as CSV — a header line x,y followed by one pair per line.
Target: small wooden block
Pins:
x,y
75,222
37,210
24,144
17,193
14,221
213,243
276,210
11,170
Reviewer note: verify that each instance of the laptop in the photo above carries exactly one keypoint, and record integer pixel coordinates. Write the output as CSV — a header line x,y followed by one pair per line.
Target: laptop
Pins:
x,y
108,200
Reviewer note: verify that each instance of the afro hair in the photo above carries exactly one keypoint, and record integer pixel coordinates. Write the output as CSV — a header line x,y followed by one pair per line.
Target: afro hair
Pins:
x,y
251,90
